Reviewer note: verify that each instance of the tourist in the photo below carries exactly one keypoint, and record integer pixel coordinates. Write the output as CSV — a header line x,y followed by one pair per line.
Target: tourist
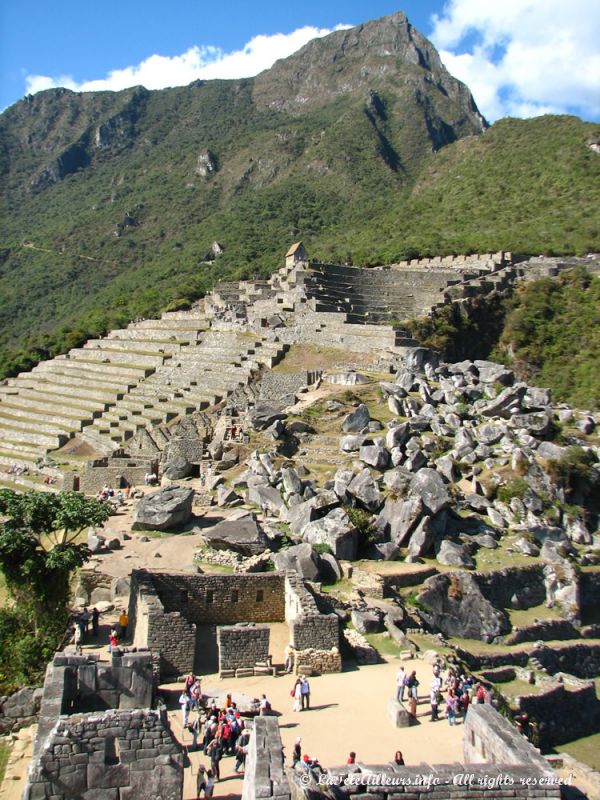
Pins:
x,y
85,618
351,758
201,781
297,754
194,728
189,682
465,700
113,640
210,785
265,706
184,703
95,621
215,753
123,623
195,694
289,658
434,699
305,690
400,678
297,695
241,751
77,638
399,758
412,684
451,707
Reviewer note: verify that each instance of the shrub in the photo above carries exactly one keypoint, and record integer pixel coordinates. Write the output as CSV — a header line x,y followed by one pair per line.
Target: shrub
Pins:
x,y
517,487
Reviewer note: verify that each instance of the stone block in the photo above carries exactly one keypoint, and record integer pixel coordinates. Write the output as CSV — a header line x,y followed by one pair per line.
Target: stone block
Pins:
x,y
398,714
103,776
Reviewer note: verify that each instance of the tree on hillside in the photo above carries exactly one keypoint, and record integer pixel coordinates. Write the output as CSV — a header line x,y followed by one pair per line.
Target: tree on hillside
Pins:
x,y
39,548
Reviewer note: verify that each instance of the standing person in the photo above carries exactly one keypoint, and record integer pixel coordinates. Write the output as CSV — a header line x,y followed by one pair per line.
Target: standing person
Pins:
x,y
434,700
451,707
297,753
289,658
400,678
77,637
413,694
215,754
95,622
351,758
399,758
265,706
113,640
210,785
184,703
85,619
305,693
201,781
297,692
195,727
123,623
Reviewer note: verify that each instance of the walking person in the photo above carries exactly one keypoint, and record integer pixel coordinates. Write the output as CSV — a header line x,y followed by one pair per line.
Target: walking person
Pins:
x,y
412,685
297,753
184,703
123,623
95,622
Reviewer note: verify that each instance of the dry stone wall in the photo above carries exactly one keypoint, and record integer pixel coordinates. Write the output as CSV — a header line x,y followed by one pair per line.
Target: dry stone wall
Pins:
x,y
117,755
242,646
264,774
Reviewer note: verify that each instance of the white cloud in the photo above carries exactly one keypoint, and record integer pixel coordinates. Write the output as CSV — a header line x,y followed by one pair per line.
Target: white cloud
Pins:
x,y
199,62
524,57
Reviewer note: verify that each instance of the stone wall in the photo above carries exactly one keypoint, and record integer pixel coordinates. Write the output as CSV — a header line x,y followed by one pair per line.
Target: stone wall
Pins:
x,y
242,646
264,773
489,738
166,608
116,755
96,476
75,684
563,714
581,659
19,709
314,636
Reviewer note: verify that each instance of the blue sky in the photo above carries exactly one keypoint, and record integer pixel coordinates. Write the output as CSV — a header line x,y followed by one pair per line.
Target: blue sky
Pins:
x,y
518,57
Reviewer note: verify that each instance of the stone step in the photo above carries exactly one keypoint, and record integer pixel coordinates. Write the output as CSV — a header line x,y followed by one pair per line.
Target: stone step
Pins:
x,y
21,484
141,335
35,424
26,410
141,346
8,458
67,403
170,324
116,358
105,374
14,434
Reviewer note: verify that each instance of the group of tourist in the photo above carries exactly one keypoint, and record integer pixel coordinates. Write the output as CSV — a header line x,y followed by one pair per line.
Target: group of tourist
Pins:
x,y
461,690
301,694
81,625
218,732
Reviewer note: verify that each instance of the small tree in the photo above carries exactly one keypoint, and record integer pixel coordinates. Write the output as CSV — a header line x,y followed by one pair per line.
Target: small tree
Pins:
x,y
39,548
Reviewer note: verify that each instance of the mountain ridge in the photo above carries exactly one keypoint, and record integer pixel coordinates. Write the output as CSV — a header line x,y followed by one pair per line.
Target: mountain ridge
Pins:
x,y
140,183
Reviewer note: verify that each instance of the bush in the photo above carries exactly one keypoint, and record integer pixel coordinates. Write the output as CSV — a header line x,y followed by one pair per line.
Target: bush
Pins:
x,y
518,487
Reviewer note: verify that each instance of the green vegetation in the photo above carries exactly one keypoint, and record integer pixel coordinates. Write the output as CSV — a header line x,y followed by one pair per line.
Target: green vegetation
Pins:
x,y
39,550
518,487
362,521
573,471
552,336
586,750
383,643
4,753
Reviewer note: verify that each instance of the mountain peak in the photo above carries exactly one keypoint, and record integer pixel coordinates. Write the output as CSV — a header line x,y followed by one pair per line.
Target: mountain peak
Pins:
x,y
385,54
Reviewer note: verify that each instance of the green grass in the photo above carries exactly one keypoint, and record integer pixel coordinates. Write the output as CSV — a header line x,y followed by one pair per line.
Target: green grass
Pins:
x,y
519,618
4,753
384,645
586,750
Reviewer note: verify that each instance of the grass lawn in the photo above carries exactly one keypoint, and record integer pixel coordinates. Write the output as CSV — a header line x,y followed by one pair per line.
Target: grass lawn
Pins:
x,y
527,616
586,750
